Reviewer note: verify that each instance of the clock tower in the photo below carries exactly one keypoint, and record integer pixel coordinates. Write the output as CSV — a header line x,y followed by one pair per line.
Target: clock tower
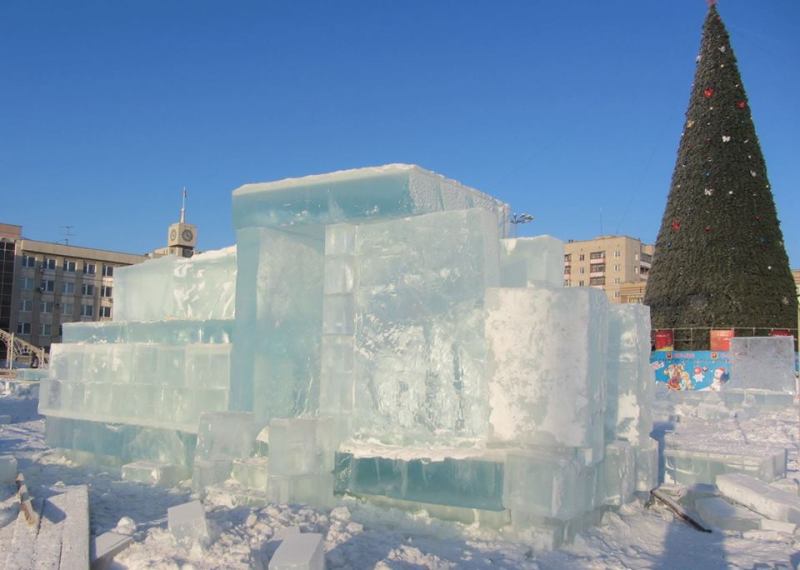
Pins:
x,y
182,237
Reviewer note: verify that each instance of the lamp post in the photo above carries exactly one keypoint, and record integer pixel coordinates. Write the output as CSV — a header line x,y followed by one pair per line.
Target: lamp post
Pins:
x,y
522,218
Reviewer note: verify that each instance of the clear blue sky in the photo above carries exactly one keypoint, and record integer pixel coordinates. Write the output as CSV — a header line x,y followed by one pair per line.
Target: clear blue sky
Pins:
x,y
108,108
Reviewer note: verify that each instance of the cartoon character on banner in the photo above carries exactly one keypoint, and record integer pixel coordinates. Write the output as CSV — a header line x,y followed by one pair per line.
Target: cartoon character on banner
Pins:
x,y
699,375
720,377
677,378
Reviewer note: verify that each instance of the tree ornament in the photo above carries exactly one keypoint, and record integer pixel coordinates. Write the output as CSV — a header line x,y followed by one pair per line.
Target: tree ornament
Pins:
x,y
708,229
676,225
721,49
708,93
689,124
708,191
730,192
753,173
741,104
726,138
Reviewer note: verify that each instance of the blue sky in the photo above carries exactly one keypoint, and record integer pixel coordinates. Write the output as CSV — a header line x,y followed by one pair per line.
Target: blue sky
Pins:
x,y
108,108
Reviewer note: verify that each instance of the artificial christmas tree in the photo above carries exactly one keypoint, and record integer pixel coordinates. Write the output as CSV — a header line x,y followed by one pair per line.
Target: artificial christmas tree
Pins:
x,y
720,260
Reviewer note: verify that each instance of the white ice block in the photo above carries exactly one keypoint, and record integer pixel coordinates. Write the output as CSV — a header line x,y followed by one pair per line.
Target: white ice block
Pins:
x,y
208,365
547,365
151,473
760,497
630,380
200,287
547,484
103,549
8,469
301,446
208,472
647,466
720,514
187,522
315,490
617,478
766,363
251,472
299,552
391,191
225,435
533,260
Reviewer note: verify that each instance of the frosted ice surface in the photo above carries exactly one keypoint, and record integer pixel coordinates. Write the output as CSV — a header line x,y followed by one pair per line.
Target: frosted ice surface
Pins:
x,y
760,497
547,365
200,288
416,328
225,435
617,478
530,261
766,363
722,515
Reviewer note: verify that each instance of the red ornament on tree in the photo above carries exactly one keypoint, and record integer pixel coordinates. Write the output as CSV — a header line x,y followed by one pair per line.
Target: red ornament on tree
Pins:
x,y
741,104
676,225
708,93
708,229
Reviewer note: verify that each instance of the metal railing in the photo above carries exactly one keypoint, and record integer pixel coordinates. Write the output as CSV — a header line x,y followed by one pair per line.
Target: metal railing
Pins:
x,y
699,338
22,351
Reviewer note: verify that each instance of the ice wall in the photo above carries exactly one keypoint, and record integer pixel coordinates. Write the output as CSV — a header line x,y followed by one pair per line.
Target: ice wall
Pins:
x,y
197,288
764,363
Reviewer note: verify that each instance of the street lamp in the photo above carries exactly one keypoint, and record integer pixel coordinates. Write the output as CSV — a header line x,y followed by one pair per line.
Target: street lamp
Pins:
x,y
522,218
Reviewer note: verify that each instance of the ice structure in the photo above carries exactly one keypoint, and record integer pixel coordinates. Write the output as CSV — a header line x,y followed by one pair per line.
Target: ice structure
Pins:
x,y
389,342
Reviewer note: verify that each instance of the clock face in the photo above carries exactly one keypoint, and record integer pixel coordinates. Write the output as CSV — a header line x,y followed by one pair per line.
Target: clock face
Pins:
x,y
173,234
187,235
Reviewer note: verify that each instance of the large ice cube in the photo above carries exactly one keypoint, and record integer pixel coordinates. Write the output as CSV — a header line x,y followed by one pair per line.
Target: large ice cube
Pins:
x,y
547,366
389,191
200,287
527,261
762,498
766,363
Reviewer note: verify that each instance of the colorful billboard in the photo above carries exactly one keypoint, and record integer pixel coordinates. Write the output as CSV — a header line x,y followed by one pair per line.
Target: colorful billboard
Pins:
x,y
692,370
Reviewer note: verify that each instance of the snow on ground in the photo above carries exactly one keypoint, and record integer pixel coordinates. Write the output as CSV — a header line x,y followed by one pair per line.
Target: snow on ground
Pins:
x,y
361,536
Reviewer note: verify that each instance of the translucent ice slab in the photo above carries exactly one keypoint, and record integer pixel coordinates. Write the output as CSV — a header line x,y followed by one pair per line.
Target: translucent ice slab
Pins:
x,y
162,332
391,191
765,363
528,261
547,366
617,478
198,288
470,483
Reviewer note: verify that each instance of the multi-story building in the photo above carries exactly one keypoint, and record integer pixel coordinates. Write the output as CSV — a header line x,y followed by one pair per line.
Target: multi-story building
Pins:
x,y
617,264
9,234
54,283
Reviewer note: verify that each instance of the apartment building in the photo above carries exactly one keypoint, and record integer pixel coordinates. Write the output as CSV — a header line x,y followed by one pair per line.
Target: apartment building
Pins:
x,y
616,264
54,283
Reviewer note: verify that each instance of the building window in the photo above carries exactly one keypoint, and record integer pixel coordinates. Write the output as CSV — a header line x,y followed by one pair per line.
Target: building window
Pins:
x,y
68,288
599,267
597,255
636,256
105,291
47,306
48,286
647,258
597,281
26,305
47,328
580,283
566,282
617,253
581,257
636,270
616,293
567,270
617,279
582,270
89,268
87,289
105,312
70,266
567,257
67,308
87,310
616,267
27,283
108,271
23,328
28,261
49,263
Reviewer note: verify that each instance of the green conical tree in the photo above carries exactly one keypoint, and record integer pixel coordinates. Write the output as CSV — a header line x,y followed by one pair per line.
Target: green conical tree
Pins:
x,y
720,260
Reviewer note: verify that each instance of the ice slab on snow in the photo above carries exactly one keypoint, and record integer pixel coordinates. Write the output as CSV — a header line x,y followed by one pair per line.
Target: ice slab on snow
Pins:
x,y
720,514
760,497
547,366
187,522
225,435
617,478
151,473
201,287
299,551
529,261
766,363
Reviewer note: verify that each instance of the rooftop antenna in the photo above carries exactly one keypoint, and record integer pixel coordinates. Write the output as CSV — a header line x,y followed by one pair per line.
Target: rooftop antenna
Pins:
x,y
67,231
183,206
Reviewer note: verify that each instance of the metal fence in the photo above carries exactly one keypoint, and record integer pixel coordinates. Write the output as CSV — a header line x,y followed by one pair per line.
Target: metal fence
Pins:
x,y
699,338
